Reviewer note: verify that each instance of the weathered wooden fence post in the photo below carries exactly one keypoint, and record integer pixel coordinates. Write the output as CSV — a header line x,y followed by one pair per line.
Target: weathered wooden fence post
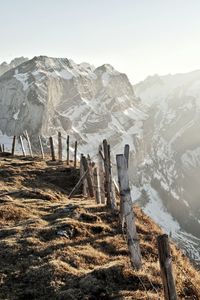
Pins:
x,y
166,267
101,174
3,148
13,145
68,150
107,173
126,153
108,176
22,145
84,179
59,146
89,179
41,147
29,143
75,154
112,188
52,148
127,214
96,186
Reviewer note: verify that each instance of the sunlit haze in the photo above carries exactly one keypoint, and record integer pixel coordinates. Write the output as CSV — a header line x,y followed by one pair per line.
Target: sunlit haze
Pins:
x,y
138,37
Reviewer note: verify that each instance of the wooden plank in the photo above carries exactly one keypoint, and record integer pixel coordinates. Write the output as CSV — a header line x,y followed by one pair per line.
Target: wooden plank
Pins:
x,y
75,154
89,179
13,145
41,147
53,157
59,146
29,143
166,267
68,150
22,145
126,153
126,211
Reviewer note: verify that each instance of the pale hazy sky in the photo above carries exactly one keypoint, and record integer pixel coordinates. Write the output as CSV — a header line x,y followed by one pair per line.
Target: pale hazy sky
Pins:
x,y
138,37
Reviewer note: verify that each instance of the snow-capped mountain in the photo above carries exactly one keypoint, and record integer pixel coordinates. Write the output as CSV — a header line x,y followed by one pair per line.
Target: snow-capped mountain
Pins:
x,y
4,67
44,95
172,151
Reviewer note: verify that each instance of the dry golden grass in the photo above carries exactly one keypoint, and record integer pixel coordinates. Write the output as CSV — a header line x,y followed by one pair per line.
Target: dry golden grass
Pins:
x,y
90,261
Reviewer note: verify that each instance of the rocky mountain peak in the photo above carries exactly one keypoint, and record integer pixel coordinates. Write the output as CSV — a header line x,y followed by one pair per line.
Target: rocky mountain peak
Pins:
x,y
4,67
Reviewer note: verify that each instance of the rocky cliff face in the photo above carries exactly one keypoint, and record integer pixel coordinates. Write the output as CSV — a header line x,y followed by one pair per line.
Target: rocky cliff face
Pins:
x,y
172,147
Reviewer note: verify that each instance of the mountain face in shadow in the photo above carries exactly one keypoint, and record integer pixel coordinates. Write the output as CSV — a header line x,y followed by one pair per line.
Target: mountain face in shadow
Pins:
x,y
172,149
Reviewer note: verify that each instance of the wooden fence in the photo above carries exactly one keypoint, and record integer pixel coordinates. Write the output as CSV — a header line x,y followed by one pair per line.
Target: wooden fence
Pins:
x,y
96,179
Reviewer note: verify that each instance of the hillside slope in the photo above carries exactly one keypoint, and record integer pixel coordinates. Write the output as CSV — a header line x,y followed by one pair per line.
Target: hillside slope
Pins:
x,y
55,248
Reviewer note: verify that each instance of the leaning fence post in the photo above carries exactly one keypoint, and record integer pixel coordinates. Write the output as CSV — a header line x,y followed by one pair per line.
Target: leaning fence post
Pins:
x,y
41,147
89,179
127,211
22,145
75,154
59,146
126,153
29,143
13,145
166,267
68,150
52,148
